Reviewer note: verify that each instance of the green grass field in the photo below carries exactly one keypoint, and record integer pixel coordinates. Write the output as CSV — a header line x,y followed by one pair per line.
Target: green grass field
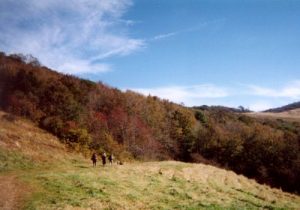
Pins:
x,y
49,177
154,185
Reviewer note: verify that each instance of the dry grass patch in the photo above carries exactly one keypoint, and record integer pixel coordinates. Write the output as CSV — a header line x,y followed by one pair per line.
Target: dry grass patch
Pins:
x,y
26,138
292,115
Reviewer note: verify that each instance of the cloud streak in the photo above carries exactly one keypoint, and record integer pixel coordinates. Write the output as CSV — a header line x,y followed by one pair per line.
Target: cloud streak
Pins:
x,y
197,27
164,36
70,36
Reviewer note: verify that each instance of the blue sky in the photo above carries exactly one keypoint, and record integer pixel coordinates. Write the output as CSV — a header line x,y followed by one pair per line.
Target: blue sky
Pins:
x,y
215,52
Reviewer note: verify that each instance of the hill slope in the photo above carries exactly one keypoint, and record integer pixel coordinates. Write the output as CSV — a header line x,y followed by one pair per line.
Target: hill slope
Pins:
x,y
38,172
285,108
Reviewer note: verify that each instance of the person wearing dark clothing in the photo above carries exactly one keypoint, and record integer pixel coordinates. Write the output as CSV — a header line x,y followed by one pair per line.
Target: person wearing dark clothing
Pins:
x,y
103,158
111,159
94,159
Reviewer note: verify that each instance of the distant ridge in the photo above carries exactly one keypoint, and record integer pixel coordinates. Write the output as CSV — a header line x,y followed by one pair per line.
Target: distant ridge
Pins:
x,y
288,107
240,109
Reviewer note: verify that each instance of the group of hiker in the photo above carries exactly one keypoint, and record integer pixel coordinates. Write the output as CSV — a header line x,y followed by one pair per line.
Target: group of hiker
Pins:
x,y
103,158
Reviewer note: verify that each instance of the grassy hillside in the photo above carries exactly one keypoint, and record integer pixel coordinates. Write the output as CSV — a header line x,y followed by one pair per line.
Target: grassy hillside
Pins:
x,y
155,185
38,172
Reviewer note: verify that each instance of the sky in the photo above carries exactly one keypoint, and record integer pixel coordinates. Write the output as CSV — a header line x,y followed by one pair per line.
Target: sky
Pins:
x,y
195,52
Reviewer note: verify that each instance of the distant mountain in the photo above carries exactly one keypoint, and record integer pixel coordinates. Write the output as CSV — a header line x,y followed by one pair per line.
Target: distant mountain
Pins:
x,y
288,107
240,109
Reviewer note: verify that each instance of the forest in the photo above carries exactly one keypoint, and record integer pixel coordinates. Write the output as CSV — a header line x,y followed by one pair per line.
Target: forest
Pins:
x,y
89,116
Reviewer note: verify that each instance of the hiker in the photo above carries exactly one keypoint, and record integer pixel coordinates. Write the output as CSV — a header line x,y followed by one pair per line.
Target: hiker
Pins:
x,y
94,159
111,158
103,158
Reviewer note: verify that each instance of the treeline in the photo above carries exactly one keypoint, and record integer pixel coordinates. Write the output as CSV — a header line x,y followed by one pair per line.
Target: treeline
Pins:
x,y
240,109
92,116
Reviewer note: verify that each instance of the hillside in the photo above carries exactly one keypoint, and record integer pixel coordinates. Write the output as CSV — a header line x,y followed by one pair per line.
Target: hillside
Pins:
x,y
88,116
24,151
285,108
38,172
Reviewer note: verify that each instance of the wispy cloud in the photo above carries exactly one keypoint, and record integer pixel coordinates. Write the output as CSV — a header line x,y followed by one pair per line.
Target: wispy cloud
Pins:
x,y
189,95
291,90
120,47
163,36
254,97
71,36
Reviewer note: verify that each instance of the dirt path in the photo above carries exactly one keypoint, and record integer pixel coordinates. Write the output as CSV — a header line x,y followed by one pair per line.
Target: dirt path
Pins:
x,y
12,193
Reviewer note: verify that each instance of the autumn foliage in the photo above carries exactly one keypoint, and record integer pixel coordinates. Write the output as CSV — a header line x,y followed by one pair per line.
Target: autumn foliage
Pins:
x,y
90,116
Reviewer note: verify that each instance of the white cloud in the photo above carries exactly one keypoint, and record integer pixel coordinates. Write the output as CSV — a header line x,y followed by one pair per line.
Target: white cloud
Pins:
x,y
260,106
189,95
80,67
254,97
60,32
291,90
